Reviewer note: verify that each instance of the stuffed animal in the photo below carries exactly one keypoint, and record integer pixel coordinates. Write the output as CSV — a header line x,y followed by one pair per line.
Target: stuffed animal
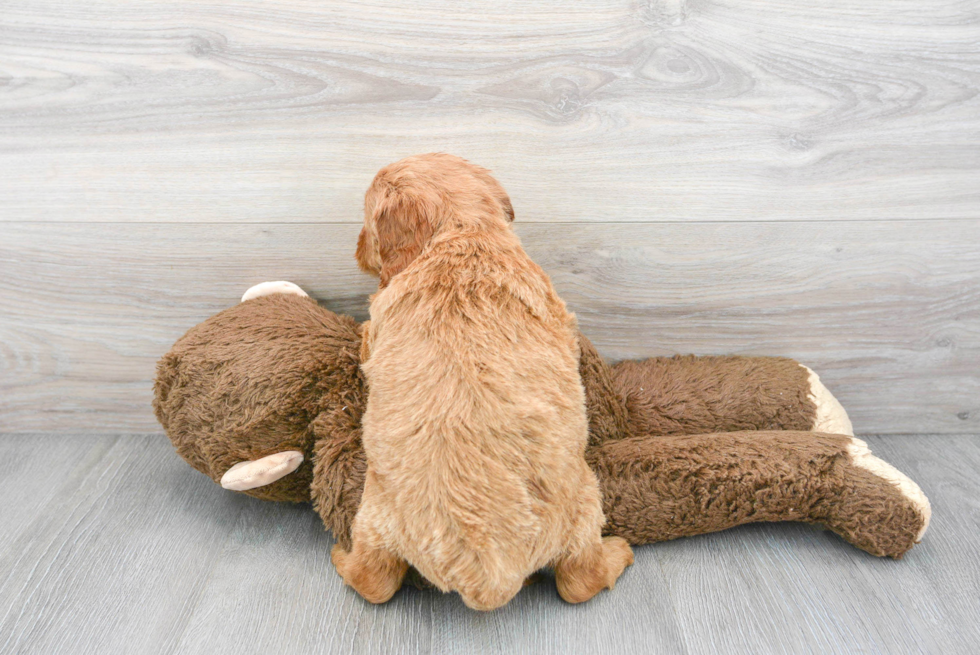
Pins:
x,y
266,398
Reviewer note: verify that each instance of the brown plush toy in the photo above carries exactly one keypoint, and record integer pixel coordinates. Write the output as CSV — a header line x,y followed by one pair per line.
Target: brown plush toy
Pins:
x,y
266,398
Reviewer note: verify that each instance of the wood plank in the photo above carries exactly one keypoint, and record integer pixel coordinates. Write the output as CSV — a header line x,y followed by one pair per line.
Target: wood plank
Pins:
x,y
138,553
27,484
116,560
276,579
269,111
887,312
948,478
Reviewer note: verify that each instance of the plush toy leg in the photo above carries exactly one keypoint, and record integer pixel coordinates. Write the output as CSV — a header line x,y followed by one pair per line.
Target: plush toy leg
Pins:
x,y
861,457
269,288
697,395
581,577
659,488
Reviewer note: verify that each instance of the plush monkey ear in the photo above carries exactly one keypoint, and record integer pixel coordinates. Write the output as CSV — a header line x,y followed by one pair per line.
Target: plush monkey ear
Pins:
x,y
404,222
260,472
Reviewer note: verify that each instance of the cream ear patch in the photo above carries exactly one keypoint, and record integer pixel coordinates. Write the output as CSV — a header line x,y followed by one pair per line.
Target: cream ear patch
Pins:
x,y
269,288
260,472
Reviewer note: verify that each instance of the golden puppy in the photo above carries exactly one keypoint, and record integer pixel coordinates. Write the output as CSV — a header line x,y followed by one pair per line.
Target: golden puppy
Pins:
x,y
475,427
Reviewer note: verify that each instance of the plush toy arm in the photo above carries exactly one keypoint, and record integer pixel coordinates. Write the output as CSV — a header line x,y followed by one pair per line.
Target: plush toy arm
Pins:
x,y
696,395
340,467
660,488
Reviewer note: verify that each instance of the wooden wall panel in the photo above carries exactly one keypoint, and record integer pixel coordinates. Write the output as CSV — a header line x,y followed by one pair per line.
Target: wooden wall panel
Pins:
x,y
887,311
273,111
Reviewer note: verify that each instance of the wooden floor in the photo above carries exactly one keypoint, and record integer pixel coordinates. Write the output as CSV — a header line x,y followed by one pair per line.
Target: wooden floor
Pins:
x,y
113,544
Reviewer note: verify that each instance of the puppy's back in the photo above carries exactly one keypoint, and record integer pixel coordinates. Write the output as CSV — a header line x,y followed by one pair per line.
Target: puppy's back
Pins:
x,y
476,423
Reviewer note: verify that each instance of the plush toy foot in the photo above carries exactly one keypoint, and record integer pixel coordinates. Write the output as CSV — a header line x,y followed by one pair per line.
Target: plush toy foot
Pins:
x,y
269,288
580,578
830,415
851,520
659,488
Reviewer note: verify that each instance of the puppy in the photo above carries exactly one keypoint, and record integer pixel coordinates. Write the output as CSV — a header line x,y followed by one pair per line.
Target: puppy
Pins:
x,y
475,427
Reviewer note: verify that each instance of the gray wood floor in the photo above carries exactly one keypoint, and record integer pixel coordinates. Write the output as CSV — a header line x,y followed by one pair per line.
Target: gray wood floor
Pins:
x,y
111,544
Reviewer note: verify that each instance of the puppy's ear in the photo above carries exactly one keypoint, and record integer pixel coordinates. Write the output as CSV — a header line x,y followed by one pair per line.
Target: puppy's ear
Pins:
x,y
405,224
363,255
508,208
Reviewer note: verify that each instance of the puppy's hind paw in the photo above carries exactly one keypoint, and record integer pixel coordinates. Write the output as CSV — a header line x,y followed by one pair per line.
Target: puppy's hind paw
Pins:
x,y
338,556
582,577
618,555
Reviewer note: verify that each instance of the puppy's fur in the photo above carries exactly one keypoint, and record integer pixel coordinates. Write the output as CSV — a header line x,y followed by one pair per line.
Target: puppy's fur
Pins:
x,y
475,428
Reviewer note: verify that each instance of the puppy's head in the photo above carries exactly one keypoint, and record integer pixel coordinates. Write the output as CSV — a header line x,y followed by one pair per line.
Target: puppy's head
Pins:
x,y
412,200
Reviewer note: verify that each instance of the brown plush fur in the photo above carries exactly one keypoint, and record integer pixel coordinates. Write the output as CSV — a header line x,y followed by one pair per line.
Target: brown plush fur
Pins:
x,y
609,416
654,487
233,389
657,394
475,428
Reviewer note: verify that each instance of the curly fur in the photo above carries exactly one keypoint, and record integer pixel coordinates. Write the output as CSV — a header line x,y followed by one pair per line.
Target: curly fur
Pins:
x,y
475,428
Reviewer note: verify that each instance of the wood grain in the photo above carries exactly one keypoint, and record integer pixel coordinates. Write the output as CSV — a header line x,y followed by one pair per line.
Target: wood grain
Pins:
x,y
887,312
668,110
132,551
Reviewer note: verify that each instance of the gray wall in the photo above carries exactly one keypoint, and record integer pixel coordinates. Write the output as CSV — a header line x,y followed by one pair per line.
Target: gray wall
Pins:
x,y
708,177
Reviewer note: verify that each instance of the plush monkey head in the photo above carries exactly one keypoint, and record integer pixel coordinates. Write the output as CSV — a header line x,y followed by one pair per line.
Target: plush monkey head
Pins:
x,y
240,394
